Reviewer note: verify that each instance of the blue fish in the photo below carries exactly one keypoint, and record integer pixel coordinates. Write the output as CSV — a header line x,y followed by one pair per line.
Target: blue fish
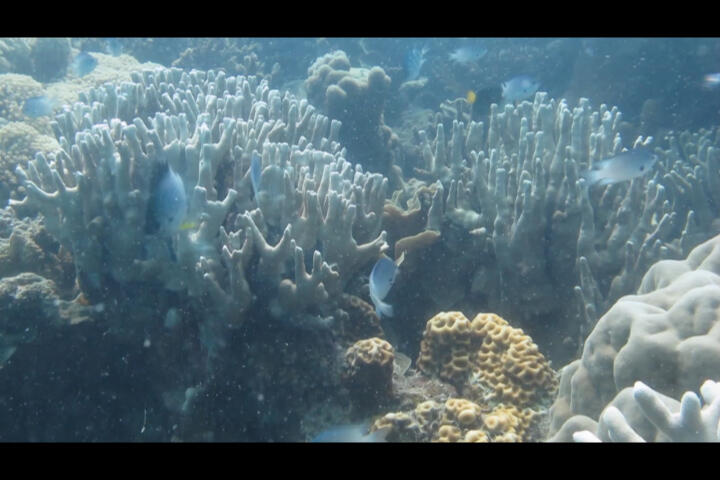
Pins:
x,y
519,88
711,81
468,54
414,60
622,167
382,278
83,64
41,106
255,172
353,433
168,203
113,46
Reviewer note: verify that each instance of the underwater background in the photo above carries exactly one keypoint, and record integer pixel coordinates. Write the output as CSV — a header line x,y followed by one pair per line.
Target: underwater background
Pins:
x,y
359,239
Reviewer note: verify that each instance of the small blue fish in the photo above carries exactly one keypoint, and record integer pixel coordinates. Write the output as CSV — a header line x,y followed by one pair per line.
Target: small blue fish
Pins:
x,y
414,60
468,54
353,433
83,64
519,88
382,278
711,81
41,106
113,46
255,172
168,202
624,166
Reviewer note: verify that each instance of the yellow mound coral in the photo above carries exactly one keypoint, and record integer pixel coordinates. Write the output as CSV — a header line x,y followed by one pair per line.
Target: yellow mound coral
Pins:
x,y
486,358
368,372
460,420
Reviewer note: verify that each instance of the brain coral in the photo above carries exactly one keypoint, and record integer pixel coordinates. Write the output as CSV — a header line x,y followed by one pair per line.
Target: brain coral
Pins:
x,y
485,358
667,336
460,420
369,369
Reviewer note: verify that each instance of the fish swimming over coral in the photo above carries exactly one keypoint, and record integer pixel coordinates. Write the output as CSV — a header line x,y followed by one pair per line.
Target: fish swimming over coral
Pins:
x,y
83,64
353,433
168,202
414,60
519,88
40,106
468,54
382,279
622,167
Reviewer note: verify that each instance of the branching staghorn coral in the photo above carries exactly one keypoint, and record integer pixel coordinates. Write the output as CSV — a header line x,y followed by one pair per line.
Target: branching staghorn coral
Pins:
x,y
238,248
517,207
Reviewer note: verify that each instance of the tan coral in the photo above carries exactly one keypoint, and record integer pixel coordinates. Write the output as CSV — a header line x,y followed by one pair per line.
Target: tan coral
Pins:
x,y
461,412
448,434
476,436
361,320
487,358
402,427
368,371
427,412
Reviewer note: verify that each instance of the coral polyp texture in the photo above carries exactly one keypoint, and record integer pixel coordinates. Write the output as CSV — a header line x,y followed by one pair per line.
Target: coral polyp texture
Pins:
x,y
369,370
461,420
664,336
503,384
236,247
486,358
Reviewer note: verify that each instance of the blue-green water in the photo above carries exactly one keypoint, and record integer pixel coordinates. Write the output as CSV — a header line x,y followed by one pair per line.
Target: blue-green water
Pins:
x,y
192,224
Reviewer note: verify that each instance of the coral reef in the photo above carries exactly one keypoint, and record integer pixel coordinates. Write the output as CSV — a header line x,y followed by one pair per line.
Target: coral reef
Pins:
x,y
502,382
670,322
27,247
508,195
109,69
19,142
235,55
486,358
356,97
690,420
14,90
15,56
94,194
357,319
50,58
30,307
368,371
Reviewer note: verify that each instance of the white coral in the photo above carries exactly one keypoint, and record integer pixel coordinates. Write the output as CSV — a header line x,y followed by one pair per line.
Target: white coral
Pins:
x,y
696,421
